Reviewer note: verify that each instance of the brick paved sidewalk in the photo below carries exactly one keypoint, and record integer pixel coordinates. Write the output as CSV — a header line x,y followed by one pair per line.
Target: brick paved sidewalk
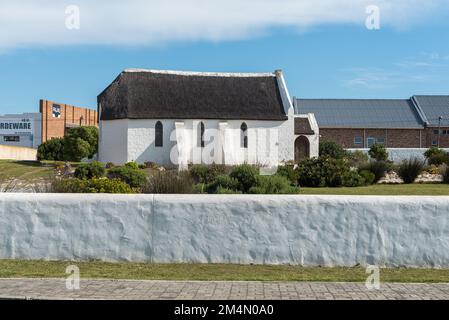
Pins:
x,y
204,290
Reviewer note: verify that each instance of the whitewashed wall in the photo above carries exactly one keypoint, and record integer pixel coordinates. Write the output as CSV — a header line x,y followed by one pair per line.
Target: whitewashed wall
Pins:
x,y
134,140
305,230
113,146
399,154
314,140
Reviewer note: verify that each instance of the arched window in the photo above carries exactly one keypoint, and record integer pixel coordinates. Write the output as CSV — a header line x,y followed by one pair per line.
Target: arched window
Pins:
x,y
244,135
201,135
159,134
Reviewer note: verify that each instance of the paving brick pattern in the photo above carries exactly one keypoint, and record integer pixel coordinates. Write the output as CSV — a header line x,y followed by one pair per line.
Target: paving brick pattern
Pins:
x,y
212,290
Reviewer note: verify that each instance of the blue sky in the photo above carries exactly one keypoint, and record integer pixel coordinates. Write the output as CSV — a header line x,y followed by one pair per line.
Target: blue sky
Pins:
x,y
326,56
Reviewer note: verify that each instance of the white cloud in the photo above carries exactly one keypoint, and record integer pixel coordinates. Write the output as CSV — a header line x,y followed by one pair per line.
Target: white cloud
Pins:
x,y
28,23
424,68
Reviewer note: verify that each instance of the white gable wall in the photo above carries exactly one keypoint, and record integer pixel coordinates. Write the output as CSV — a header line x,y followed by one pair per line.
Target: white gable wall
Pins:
x,y
113,143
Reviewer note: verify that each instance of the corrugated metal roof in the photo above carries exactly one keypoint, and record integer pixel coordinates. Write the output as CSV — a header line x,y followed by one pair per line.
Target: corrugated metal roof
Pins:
x,y
361,113
434,107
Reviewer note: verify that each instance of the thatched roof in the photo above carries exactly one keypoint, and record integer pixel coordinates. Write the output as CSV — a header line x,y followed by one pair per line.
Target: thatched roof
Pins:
x,y
147,94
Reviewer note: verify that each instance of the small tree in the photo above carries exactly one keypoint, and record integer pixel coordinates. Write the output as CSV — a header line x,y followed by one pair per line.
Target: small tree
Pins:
x,y
436,156
81,142
378,152
52,149
332,150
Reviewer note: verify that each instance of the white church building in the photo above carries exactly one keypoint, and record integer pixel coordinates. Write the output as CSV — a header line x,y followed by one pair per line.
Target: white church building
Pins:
x,y
178,118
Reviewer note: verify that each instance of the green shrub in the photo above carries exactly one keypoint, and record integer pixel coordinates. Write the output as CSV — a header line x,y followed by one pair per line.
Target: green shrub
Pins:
x,y
133,165
90,170
169,182
378,168
368,176
322,172
378,152
227,191
206,173
433,151
410,169
52,149
332,150
246,175
357,159
290,173
273,185
353,179
90,186
134,177
310,172
445,173
438,159
199,188
334,170
223,182
110,165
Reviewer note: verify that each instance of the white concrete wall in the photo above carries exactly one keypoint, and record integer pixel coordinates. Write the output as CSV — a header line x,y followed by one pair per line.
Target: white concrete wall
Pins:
x,y
399,154
305,230
17,153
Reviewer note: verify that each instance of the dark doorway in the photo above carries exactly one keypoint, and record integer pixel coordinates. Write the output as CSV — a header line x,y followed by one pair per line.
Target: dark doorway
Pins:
x,y
302,148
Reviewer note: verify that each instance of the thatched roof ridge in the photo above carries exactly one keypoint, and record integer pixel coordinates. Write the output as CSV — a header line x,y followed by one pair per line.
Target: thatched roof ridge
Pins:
x,y
152,94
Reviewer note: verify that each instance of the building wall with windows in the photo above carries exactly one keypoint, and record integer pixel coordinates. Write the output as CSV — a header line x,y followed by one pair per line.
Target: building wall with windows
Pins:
x,y
21,130
390,138
223,141
58,117
365,138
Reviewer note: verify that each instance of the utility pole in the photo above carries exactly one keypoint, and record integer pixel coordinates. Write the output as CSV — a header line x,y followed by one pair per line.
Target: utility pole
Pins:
x,y
439,129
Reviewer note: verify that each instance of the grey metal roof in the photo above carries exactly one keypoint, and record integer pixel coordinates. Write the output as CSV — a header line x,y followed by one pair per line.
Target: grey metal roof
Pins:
x,y
361,113
434,107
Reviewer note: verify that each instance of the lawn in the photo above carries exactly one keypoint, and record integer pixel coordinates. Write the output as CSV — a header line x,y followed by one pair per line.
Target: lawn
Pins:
x,y
212,272
381,189
23,170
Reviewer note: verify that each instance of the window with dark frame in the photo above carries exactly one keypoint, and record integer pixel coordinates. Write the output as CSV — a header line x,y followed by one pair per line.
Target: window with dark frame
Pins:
x,y
381,141
201,136
370,142
244,135
159,135
11,138
358,140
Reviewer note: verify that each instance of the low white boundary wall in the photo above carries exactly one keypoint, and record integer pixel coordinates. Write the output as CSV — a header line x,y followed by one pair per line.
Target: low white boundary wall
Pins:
x,y
400,154
306,230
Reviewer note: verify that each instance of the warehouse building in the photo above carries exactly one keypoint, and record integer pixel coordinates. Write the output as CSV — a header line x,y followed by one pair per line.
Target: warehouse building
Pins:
x,y
53,119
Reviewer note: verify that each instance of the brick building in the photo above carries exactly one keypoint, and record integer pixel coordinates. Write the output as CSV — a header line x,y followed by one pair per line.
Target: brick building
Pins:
x,y
58,117
358,123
